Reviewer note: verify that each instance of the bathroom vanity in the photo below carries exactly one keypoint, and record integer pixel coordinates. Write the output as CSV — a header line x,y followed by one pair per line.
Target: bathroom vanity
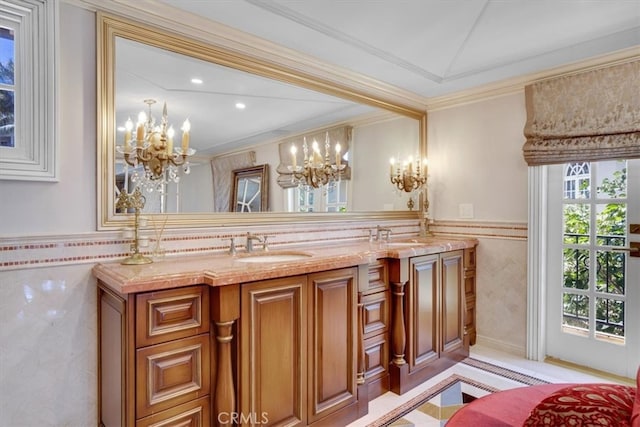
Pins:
x,y
303,336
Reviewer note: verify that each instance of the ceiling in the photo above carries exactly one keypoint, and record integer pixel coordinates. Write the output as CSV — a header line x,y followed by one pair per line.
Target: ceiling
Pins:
x,y
435,47
431,48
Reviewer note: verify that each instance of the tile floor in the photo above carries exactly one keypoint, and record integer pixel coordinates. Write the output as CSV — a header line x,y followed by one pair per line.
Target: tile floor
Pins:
x,y
545,371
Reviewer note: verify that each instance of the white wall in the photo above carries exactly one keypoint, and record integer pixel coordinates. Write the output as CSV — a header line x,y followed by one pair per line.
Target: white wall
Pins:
x,y
475,157
67,206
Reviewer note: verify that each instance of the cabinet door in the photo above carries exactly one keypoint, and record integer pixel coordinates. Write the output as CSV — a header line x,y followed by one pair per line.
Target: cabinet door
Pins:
x,y
452,303
273,348
332,341
422,311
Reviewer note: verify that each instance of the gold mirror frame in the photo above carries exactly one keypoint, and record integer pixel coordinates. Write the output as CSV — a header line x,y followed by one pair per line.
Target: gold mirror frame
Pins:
x,y
109,27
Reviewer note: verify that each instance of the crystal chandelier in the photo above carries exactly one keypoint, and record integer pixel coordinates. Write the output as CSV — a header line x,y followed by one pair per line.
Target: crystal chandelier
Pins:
x,y
153,149
316,171
408,176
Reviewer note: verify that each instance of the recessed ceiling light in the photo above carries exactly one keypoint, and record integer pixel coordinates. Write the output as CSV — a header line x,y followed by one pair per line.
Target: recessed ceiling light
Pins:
x,y
240,106
196,81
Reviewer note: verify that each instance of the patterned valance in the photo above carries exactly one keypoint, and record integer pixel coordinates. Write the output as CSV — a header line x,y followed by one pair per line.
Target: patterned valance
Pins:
x,y
338,135
592,115
221,171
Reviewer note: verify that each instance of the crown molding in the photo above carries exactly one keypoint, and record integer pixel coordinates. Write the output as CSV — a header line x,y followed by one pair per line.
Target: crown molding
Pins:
x,y
517,84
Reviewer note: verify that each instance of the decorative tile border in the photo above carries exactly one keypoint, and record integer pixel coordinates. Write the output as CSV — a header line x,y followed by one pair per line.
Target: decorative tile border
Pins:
x,y
43,251
494,230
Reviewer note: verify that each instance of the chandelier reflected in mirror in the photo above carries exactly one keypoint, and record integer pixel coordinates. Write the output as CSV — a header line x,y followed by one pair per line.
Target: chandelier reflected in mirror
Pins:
x,y
408,176
316,171
152,153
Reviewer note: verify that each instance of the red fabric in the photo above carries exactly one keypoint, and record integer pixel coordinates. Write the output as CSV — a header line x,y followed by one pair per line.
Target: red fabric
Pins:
x,y
585,405
502,409
635,412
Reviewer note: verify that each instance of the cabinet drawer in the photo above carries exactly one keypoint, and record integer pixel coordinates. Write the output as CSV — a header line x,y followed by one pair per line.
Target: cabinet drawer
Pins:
x,y
470,258
192,414
376,313
172,314
172,373
376,357
378,277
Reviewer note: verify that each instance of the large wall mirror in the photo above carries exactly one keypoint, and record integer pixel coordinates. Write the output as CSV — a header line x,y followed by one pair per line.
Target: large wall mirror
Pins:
x,y
242,111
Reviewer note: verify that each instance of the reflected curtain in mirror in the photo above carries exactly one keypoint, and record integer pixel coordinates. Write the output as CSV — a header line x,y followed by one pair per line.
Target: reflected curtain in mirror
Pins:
x,y
250,189
222,171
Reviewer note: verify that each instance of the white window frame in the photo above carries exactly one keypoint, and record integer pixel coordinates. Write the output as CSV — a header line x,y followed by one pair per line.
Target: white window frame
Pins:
x,y
34,157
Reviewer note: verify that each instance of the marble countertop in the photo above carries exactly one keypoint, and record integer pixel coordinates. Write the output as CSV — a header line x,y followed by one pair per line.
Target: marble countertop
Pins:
x,y
223,269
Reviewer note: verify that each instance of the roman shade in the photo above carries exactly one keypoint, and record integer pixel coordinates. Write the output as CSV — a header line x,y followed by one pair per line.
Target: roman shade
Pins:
x,y
587,116
222,168
338,135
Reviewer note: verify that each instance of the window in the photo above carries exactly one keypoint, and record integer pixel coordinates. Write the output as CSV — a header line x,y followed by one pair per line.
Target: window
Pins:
x,y
7,87
594,212
332,198
28,149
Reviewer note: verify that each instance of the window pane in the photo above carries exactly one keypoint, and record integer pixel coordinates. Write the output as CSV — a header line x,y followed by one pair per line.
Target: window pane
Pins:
x,y
575,311
610,272
610,316
576,224
612,179
343,192
576,268
577,181
332,193
7,122
611,224
6,56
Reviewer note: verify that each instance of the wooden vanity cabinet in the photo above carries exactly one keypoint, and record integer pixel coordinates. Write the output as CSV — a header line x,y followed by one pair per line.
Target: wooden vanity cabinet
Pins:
x,y
154,366
428,331
298,349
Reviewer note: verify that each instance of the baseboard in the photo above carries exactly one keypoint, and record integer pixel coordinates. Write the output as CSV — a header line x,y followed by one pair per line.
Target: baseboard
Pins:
x,y
500,345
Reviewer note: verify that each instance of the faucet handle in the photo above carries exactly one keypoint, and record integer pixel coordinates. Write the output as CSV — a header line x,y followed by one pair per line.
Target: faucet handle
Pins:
x,y
232,246
265,243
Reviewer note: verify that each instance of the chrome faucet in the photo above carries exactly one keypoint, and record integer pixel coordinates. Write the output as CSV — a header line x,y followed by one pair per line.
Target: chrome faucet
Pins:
x,y
250,239
380,231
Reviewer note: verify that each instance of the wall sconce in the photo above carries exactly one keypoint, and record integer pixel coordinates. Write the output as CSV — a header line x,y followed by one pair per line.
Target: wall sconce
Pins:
x,y
408,176
316,171
153,149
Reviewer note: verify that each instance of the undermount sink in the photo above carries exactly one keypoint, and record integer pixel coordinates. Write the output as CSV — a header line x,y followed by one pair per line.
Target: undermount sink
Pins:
x,y
401,244
274,257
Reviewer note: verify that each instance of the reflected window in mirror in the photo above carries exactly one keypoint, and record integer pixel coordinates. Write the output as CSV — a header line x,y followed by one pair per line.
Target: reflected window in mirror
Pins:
x,y
332,198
